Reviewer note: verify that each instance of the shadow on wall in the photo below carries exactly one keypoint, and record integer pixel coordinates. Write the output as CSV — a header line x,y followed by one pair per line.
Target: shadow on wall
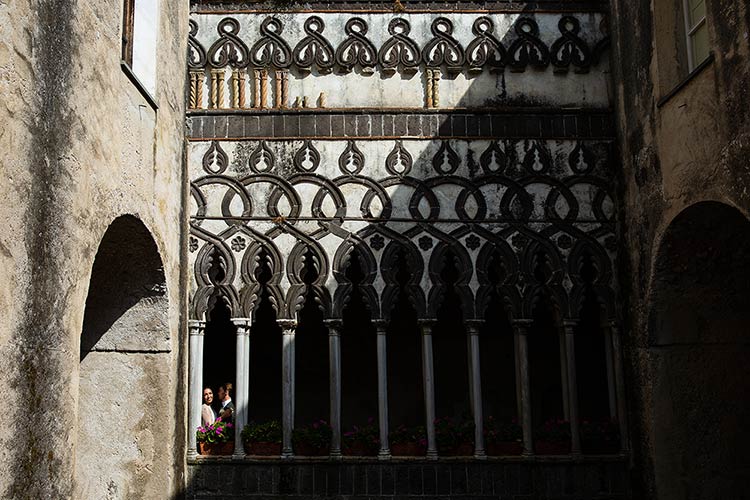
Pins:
x,y
699,349
124,370
127,292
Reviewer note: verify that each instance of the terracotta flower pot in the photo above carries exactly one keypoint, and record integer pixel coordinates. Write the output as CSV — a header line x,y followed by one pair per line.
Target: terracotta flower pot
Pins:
x,y
262,448
504,448
215,449
307,450
408,450
461,450
542,447
359,450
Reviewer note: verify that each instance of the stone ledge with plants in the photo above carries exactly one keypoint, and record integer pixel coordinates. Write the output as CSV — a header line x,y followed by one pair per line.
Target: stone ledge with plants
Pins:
x,y
262,439
216,438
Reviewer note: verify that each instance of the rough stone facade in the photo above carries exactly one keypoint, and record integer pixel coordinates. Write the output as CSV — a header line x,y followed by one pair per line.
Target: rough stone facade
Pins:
x,y
84,147
287,143
685,143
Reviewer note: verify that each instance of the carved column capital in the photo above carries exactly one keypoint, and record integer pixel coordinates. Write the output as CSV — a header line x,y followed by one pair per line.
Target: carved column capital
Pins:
x,y
522,326
243,325
287,325
473,326
196,327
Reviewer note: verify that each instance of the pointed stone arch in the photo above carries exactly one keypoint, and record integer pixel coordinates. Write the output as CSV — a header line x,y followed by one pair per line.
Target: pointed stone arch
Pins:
x,y
699,315
124,359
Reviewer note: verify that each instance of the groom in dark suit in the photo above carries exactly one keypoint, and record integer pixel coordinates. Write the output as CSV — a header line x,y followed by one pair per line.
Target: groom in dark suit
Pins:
x,y
226,412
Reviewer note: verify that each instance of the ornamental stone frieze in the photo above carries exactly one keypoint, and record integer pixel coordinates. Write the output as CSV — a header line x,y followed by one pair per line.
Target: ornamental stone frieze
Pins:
x,y
540,210
432,60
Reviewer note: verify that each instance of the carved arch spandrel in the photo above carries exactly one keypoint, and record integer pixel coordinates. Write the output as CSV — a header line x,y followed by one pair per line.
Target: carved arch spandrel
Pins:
x,y
307,255
402,248
261,256
369,267
542,271
493,255
600,284
464,267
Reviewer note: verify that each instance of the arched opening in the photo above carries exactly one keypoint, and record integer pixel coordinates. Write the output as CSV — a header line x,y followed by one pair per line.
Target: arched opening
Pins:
x,y
265,352
358,356
220,348
497,355
699,350
124,374
405,383
312,391
450,349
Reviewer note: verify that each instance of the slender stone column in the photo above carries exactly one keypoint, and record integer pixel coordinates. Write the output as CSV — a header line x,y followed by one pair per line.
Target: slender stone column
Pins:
x,y
564,373
521,331
472,328
622,416
241,391
385,451
287,385
611,389
428,373
196,329
517,366
575,436
334,370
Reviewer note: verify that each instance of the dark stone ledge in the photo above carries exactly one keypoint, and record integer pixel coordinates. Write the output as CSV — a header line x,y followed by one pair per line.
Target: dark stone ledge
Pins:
x,y
411,6
390,124
592,478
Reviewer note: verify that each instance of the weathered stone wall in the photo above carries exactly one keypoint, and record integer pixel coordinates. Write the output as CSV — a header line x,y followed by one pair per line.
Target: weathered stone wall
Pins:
x,y
681,145
81,147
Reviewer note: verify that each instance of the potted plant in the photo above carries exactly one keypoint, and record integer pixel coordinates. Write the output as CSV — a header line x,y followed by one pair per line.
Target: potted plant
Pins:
x,y
600,437
362,441
216,439
553,438
408,441
502,437
312,440
455,438
262,439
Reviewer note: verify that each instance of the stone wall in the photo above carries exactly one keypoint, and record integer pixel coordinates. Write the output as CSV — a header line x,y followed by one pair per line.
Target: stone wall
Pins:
x,y
685,140
82,147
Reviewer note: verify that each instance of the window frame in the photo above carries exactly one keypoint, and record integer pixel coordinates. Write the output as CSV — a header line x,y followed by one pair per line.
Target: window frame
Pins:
x,y
690,32
128,53
128,31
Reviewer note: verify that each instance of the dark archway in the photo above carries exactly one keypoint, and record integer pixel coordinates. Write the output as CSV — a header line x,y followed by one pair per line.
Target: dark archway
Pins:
x,y
699,336
124,371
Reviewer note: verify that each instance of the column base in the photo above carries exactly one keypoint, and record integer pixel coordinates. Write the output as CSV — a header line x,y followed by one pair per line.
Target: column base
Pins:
x,y
432,455
480,455
335,455
192,454
385,454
